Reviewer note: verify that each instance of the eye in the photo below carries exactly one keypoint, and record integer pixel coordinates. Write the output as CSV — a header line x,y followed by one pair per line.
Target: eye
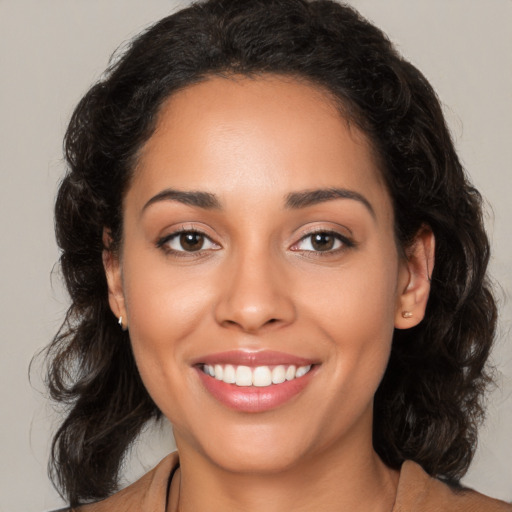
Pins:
x,y
187,241
322,241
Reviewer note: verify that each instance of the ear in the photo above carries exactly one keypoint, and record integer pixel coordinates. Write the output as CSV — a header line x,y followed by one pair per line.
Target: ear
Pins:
x,y
112,266
414,282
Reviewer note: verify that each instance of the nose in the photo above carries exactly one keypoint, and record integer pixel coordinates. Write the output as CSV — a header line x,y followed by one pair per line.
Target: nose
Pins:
x,y
256,296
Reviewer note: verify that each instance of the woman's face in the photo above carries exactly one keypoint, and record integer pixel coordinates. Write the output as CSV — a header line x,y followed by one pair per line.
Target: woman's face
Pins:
x,y
258,246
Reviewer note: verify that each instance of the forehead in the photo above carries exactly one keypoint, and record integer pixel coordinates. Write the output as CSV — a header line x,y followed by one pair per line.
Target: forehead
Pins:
x,y
254,136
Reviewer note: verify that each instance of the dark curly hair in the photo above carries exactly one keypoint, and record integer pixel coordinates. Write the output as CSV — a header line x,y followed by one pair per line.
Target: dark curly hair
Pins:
x,y
429,403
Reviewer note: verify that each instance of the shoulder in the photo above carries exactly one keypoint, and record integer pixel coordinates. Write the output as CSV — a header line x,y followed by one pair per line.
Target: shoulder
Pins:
x,y
149,493
418,492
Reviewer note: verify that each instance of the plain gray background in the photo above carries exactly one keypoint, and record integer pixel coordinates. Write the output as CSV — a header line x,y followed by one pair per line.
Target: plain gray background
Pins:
x,y
51,51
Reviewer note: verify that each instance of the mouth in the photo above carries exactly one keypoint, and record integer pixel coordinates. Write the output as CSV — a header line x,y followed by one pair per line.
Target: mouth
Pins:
x,y
255,381
259,376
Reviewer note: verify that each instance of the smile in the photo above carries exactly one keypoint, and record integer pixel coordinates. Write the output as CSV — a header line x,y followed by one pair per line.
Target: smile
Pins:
x,y
259,376
255,382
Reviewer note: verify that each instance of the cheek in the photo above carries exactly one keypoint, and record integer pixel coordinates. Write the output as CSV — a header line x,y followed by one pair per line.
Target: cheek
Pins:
x,y
354,306
161,297
361,295
163,315
165,306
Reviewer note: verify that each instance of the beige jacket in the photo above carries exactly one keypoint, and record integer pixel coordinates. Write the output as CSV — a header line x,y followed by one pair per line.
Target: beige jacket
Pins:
x,y
417,492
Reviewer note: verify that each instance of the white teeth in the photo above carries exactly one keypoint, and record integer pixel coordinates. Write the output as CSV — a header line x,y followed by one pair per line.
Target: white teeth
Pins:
x,y
260,376
300,371
290,373
243,376
229,374
219,371
278,374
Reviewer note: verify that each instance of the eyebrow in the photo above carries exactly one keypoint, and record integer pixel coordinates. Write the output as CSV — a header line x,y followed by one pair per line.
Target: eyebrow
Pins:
x,y
193,198
296,200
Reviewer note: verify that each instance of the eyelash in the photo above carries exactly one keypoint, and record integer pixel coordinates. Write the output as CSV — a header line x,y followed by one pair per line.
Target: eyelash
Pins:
x,y
162,243
346,243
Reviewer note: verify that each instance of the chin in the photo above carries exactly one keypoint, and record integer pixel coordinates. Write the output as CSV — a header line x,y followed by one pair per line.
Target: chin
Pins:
x,y
268,460
257,449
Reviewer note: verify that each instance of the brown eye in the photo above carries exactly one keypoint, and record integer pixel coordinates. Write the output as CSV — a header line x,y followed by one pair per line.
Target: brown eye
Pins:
x,y
322,241
187,242
192,241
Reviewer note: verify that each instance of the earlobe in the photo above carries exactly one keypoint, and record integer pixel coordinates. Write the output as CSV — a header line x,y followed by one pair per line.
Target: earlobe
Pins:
x,y
112,267
415,288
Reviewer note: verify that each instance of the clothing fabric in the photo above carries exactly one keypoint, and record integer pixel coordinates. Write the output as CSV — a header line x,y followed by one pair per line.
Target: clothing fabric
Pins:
x,y
417,492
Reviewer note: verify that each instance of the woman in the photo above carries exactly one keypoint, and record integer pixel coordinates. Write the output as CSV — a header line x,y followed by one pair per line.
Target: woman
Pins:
x,y
268,238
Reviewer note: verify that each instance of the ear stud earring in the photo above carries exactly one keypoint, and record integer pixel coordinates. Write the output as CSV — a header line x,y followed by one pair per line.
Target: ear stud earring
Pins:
x,y
406,314
120,322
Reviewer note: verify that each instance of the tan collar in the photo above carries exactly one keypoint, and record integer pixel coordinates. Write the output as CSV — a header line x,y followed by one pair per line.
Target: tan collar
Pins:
x,y
417,492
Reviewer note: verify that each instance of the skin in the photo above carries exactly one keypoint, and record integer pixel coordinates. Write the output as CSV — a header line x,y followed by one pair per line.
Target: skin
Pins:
x,y
257,284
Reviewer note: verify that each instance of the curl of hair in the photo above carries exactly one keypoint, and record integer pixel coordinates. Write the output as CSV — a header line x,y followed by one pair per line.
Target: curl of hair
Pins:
x,y
429,403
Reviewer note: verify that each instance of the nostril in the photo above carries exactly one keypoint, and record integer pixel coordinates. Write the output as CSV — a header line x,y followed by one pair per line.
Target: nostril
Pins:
x,y
251,312
250,328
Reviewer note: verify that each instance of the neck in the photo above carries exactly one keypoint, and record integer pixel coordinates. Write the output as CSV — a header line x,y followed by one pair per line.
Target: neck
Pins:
x,y
355,480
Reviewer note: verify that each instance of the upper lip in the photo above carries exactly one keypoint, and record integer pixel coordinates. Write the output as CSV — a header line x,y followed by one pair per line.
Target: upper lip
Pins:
x,y
253,358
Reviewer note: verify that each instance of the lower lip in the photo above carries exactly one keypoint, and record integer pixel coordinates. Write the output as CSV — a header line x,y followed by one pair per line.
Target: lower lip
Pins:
x,y
252,398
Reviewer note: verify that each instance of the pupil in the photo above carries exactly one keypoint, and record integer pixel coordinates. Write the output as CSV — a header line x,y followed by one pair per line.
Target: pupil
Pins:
x,y
191,241
323,242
